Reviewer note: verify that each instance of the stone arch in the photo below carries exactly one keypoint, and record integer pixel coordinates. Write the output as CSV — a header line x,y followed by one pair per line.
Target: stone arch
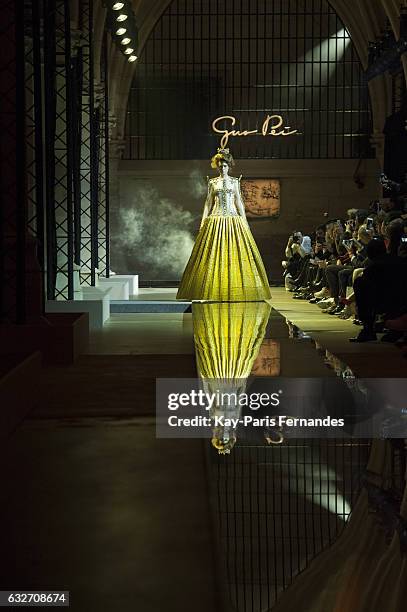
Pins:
x,y
364,21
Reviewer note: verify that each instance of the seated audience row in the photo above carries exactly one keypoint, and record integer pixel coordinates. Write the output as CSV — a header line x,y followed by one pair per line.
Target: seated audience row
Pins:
x,y
356,268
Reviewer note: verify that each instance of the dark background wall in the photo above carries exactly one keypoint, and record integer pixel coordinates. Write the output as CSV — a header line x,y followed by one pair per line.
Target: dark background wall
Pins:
x,y
205,59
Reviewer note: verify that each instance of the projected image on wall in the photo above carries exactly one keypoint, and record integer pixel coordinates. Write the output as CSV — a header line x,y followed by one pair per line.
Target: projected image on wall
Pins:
x,y
268,360
261,197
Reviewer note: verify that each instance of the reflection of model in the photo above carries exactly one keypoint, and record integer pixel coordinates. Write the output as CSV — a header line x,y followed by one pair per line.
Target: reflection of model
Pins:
x,y
227,340
225,263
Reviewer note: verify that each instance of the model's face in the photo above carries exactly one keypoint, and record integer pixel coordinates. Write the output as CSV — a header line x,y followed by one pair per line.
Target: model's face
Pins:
x,y
223,167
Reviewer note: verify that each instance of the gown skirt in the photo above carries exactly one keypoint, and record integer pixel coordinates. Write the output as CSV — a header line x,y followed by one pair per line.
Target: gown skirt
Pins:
x,y
225,264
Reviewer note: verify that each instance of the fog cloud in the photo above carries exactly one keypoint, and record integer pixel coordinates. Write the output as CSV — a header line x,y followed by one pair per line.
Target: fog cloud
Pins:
x,y
154,232
198,185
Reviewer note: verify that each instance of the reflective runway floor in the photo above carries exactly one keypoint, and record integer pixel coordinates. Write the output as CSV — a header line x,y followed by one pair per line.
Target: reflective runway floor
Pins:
x,y
93,503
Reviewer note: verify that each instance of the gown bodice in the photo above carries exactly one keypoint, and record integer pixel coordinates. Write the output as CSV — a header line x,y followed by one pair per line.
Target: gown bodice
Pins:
x,y
224,194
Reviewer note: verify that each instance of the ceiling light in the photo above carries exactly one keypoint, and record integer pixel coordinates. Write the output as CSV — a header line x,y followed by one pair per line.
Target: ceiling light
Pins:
x,y
128,51
121,31
132,58
117,6
125,41
121,17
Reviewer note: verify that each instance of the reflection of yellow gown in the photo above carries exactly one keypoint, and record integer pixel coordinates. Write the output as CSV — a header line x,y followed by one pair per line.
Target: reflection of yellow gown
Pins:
x,y
228,337
227,340
225,263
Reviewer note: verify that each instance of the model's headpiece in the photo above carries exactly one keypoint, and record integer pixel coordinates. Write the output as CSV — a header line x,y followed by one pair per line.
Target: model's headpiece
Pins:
x,y
222,154
223,446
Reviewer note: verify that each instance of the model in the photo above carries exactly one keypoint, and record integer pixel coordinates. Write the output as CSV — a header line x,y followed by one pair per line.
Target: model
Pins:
x,y
225,264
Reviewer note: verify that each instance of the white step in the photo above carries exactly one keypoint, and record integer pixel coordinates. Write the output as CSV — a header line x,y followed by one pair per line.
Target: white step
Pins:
x,y
132,278
95,301
120,288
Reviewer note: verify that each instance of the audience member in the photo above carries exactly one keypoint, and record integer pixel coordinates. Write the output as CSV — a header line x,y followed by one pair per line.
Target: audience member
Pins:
x,y
356,267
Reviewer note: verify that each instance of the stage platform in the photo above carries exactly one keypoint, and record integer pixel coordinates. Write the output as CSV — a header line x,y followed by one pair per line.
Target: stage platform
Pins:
x,y
154,300
117,374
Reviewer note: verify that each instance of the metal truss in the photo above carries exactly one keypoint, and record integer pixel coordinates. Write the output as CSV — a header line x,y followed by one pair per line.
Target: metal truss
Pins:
x,y
77,78
63,152
54,132
34,127
103,182
12,164
93,159
88,164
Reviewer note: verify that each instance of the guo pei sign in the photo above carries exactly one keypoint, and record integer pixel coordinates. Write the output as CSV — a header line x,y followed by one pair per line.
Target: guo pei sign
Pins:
x,y
272,126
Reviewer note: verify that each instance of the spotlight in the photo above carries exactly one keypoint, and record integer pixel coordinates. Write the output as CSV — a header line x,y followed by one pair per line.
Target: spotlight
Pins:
x,y
121,22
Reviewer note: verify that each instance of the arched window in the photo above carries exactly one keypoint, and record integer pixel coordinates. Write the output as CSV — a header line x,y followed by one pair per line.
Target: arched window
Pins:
x,y
248,59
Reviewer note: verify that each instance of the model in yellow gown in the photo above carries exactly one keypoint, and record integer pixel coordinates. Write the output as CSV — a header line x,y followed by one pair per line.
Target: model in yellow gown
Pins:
x,y
225,264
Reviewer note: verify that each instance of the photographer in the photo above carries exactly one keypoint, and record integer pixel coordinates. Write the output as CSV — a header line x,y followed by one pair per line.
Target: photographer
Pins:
x,y
297,249
294,245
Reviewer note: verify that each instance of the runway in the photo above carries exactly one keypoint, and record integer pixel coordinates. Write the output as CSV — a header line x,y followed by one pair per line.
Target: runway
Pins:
x,y
366,360
90,453
158,327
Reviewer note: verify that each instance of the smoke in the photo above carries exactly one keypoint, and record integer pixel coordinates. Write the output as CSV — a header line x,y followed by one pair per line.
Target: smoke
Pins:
x,y
155,233
197,185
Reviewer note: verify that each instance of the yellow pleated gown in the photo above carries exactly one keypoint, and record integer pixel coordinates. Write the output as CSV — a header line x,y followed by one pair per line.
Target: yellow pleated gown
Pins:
x,y
225,264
